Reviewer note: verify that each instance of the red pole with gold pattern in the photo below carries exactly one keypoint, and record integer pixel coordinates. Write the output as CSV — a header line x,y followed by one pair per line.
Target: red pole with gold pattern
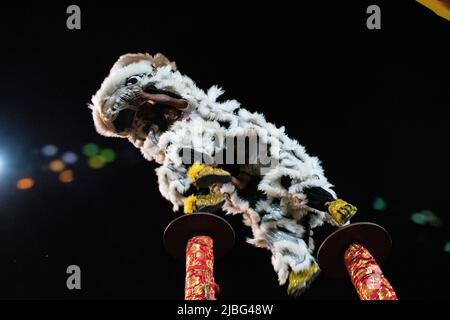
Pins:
x,y
351,251
366,275
199,238
200,284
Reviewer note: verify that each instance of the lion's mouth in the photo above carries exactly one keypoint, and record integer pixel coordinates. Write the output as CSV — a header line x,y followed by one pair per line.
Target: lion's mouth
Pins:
x,y
152,111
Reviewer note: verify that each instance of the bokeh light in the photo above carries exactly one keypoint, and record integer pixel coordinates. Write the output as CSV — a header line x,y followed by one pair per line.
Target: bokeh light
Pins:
x,y
96,162
419,218
49,150
447,247
25,184
66,176
426,217
91,149
427,213
436,222
379,204
108,155
56,166
69,157
432,218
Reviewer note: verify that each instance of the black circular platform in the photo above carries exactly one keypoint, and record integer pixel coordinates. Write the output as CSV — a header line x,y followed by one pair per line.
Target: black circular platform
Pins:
x,y
180,230
331,253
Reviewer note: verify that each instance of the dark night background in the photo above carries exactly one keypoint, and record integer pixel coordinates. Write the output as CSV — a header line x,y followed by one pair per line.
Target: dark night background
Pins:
x,y
371,104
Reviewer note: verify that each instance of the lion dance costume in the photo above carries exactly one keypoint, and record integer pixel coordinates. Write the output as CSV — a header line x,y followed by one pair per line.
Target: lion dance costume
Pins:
x,y
184,129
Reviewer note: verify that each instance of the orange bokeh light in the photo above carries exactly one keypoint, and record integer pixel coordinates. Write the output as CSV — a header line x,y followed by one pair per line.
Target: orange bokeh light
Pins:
x,y
25,184
56,166
66,176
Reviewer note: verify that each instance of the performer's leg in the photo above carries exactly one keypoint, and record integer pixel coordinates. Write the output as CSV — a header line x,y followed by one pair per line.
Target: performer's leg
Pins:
x,y
293,262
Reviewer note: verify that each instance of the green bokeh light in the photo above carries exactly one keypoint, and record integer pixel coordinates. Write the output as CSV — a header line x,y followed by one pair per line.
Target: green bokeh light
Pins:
x,y
426,217
379,204
429,214
419,218
91,149
447,247
96,162
108,155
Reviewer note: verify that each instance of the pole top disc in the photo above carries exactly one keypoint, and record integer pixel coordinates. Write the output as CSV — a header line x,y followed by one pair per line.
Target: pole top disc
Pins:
x,y
180,230
331,252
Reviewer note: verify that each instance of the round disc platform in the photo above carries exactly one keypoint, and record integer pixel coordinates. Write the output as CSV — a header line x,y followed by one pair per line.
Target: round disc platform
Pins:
x,y
180,230
331,253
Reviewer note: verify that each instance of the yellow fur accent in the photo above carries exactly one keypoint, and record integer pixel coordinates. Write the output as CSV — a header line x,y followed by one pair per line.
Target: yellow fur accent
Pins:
x,y
194,171
198,170
301,278
189,204
210,199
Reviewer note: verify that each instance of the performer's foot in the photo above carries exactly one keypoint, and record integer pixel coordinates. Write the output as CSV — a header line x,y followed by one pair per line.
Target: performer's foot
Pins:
x,y
300,281
341,211
210,203
204,176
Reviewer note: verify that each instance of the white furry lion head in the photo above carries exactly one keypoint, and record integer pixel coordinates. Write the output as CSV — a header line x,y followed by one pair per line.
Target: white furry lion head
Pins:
x,y
143,95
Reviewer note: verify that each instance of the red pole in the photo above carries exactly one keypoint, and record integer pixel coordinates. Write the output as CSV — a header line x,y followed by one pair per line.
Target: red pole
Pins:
x,y
199,283
366,274
350,251
192,237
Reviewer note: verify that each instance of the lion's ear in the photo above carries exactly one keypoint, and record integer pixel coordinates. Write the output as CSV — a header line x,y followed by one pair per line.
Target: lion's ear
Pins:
x,y
130,58
160,60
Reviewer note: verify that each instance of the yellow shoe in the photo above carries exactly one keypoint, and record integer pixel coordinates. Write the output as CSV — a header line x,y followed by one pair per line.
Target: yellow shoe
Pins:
x,y
440,7
204,176
341,211
206,203
300,281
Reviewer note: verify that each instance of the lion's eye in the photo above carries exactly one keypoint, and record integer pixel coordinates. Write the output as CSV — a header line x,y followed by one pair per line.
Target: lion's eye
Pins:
x,y
132,80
